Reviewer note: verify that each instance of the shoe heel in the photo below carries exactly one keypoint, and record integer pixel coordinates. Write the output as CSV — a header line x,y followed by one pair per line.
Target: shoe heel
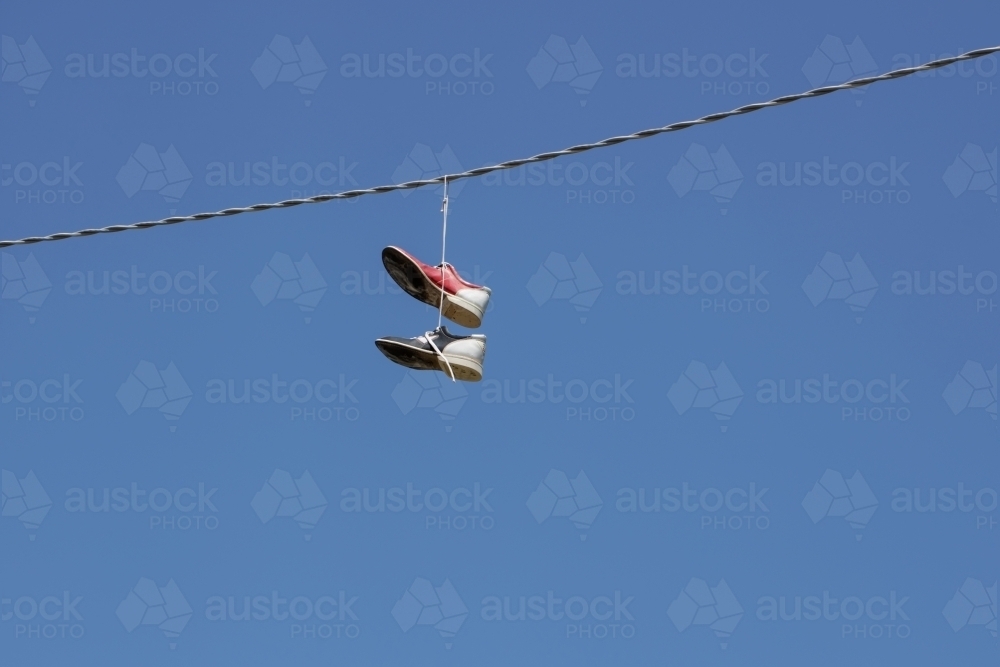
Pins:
x,y
462,312
465,370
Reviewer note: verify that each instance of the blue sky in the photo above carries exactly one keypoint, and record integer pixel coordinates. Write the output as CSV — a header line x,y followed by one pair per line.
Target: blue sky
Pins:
x,y
782,326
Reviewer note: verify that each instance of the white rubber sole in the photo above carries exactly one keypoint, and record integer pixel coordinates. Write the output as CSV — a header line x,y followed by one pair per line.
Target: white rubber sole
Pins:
x,y
466,370
460,311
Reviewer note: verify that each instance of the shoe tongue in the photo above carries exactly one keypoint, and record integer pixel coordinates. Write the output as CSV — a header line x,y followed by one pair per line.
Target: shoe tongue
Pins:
x,y
440,331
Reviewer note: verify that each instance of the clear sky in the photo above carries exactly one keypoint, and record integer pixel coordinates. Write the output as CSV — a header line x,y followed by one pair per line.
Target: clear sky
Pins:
x,y
727,369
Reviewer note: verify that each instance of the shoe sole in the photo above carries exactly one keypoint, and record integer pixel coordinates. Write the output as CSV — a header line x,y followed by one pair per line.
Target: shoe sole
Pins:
x,y
465,369
414,282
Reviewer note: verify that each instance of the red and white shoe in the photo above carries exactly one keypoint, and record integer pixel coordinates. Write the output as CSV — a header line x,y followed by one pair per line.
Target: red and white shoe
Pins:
x,y
464,302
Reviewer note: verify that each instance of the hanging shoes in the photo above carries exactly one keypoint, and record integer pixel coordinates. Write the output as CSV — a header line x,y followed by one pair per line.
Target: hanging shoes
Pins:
x,y
459,357
464,302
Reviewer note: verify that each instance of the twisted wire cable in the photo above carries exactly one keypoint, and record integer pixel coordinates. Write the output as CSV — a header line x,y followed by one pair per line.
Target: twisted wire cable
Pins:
x,y
512,164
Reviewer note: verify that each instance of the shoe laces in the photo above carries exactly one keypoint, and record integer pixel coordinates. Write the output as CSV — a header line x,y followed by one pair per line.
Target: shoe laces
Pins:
x,y
429,337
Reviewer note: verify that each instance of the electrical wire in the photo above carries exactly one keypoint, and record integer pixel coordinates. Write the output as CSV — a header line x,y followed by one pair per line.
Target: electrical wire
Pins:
x,y
511,164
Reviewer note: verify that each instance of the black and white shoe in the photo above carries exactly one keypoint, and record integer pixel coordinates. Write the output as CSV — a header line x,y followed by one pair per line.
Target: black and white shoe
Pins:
x,y
458,357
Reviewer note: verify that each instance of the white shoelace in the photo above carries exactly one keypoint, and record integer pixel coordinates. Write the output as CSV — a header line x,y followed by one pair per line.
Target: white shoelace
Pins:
x,y
444,238
429,338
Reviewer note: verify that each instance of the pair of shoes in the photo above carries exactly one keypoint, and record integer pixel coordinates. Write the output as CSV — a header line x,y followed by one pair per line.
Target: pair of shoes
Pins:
x,y
462,302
